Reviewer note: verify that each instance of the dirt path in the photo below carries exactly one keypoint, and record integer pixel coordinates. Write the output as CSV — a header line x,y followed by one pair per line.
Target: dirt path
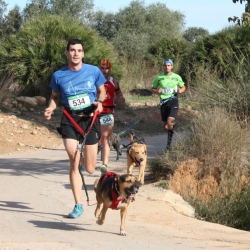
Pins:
x,y
36,196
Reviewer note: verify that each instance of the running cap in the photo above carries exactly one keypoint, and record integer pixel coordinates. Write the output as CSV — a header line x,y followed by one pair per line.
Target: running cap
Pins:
x,y
105,63
168,61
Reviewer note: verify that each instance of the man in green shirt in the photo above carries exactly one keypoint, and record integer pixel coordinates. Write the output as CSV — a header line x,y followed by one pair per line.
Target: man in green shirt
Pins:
x,y
167,85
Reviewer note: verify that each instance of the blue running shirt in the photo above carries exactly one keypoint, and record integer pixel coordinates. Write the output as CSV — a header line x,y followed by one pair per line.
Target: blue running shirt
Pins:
x,y
72,83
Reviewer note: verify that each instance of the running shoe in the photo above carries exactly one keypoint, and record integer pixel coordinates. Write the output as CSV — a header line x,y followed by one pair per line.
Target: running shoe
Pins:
x,y
77,212
82,168
104,169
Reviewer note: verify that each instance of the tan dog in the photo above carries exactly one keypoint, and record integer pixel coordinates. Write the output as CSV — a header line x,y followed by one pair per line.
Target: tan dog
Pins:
x,y
115,191
136,156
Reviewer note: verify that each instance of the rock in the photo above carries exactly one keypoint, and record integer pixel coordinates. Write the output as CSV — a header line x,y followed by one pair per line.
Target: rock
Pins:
x,y
28,101
174,200
40,100
14,103
24,126
141,92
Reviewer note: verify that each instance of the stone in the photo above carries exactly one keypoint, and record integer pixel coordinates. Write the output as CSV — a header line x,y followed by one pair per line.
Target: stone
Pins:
x,y
40,100
27,101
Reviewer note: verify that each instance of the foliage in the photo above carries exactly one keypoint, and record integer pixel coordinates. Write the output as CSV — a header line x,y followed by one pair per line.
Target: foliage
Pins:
x,y
3,7
37,50
192,34
231,95
105,24
167,48
216,54
79,9
245,18
137,27
13,21
162,184
163,166
231,209
221,144
5,85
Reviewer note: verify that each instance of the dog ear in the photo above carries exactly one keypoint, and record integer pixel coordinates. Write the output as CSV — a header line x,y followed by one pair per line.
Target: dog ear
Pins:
x,y
131,148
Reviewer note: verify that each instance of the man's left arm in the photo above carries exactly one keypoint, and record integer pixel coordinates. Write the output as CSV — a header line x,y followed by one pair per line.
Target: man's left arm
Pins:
x,y
181,86
182,89
101,97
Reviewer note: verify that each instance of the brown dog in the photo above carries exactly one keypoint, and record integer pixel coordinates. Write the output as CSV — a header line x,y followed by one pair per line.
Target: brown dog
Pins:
x,y
115,191
136,156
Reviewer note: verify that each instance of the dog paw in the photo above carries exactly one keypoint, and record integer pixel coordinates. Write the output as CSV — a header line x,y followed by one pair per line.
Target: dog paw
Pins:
x,y
99,222
123,233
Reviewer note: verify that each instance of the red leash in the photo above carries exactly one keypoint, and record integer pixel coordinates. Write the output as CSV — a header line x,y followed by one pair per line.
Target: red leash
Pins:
x,y
84,139
75,123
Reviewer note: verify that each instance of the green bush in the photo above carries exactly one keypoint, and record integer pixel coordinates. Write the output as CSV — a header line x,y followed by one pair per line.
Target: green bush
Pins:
x,y
37,50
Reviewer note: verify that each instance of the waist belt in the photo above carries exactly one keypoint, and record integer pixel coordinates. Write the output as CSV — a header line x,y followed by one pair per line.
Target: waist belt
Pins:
x,y
109,107
168,99
86,111
81,131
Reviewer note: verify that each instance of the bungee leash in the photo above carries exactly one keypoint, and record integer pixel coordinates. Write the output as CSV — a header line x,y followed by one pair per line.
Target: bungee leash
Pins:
x,y
81,147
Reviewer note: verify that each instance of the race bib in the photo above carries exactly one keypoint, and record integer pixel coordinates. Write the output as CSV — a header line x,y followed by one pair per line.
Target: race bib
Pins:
x,y
79,102
106,120
168,91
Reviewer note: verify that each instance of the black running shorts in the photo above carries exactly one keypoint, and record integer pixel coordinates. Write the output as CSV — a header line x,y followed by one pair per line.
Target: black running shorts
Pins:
x,y
169,109
68,130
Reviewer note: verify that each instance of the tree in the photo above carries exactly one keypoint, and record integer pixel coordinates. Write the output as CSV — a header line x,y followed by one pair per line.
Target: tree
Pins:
x,y
3,8
193,33
13,21
168,48
245,18
105,23
135,28
75,8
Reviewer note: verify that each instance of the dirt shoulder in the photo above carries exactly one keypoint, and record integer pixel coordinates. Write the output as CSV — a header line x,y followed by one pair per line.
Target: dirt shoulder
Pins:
x,y
31,131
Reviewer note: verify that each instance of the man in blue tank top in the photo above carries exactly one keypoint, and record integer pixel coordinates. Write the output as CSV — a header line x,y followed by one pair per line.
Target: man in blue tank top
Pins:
x,y
76,86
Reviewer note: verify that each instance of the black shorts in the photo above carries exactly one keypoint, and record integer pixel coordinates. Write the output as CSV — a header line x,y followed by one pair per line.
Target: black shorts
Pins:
x,y
68,130
169,109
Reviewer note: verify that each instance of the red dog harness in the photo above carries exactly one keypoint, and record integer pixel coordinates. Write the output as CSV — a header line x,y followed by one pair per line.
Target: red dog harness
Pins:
x,y
115,201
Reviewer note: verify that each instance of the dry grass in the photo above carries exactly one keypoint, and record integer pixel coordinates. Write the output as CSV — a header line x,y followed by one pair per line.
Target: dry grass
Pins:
x,y
6,82
210,168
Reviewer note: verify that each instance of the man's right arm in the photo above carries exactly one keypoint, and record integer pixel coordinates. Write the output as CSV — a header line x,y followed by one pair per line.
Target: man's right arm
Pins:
x,y
155,87
53,103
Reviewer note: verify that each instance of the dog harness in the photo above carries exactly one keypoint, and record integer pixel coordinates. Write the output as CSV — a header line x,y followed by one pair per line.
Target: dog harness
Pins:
x,y
114,191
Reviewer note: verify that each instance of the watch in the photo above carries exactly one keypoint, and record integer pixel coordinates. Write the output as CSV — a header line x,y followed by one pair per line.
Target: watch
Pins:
x,y
100,101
